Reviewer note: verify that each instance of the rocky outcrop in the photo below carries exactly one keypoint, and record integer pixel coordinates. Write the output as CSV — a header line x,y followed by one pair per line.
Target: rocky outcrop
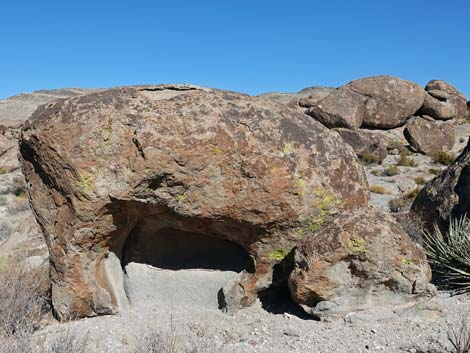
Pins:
x,y
114,171
370,146
378,102
341,108
443,101
429,136
301,100
389,101
446,196
356,262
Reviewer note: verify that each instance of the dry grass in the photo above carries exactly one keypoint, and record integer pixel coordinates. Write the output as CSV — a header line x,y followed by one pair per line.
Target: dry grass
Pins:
x,y
420,180
406,161
378,189
391,170
443,158
157,341
24,297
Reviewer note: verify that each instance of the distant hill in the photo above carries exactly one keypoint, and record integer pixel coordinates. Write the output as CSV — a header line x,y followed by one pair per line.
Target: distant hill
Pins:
x,y
21,106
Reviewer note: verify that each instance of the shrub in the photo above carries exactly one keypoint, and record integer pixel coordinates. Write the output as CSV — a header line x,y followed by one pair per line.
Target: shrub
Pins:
x,y
23,297
369,159
397,204
378,189
391,170
420,180
459,337
434,171
376,172
406,161
68,342
443,158
449,254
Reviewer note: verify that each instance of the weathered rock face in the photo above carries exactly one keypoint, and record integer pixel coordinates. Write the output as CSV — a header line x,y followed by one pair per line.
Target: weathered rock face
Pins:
x,y
429,136
109,169
389,101
368,145
341,108
446,196
443,101
358,261
378,102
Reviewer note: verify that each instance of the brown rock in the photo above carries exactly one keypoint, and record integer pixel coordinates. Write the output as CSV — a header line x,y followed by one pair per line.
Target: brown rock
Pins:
x,y
378,102
389,101
368,145
108,170
429,136
341,108
358,261
446,196
443,101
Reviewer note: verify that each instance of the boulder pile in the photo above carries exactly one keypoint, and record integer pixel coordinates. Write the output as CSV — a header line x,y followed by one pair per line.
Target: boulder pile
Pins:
x,y
370,105
183,177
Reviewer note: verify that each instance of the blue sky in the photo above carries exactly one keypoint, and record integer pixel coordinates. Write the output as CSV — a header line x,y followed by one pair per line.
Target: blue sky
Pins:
x,y
250,46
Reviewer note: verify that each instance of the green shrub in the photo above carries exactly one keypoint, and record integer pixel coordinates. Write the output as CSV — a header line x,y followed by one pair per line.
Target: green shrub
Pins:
x,y
391,170
369,159
406,161
449,254
434,171
420,180
376,172
443,158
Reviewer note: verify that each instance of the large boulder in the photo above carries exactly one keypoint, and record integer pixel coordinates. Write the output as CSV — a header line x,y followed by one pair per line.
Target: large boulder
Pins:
x,y
341,108
446,196
361,260
115,176
389,101
379,102
429,136
443,101
370,146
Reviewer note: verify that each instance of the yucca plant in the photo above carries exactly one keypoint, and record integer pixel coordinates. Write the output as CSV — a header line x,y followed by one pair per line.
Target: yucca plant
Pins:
x,y
449,254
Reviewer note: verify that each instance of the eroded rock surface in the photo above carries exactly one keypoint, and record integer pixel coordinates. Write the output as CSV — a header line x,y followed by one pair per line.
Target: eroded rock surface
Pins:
x,y
446,196
443,101
429,136
110,167
359,261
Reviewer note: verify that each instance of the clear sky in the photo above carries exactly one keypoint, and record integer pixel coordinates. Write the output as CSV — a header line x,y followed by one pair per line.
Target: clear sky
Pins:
x,y
252,46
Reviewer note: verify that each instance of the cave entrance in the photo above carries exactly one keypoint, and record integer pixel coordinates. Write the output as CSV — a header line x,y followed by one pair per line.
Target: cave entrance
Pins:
x,y
166,265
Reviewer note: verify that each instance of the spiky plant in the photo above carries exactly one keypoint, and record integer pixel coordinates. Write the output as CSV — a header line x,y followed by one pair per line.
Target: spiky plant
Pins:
x,y
449,254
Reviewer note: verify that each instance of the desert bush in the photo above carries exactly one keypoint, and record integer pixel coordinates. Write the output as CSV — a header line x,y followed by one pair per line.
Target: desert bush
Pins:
x,y
406,161
378,189
391,170
420,180
459,336
449,254
69,341
376,172
434,171
369,159
397,204
443,158
154,340
6,229
23,298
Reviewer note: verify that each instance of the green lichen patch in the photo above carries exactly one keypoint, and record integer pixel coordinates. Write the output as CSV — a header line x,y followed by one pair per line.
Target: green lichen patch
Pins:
x,y
278,255
288,148
408,262
181,197
357,245
85,183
